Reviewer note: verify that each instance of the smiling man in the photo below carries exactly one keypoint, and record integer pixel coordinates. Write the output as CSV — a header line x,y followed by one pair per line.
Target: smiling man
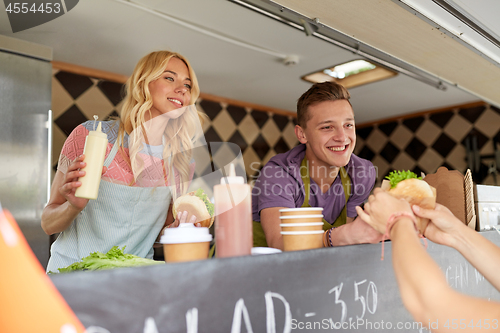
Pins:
x,y
322,172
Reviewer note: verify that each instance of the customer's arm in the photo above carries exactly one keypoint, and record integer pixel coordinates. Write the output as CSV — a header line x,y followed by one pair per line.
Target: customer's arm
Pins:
x,y
425,291
423,286
446,229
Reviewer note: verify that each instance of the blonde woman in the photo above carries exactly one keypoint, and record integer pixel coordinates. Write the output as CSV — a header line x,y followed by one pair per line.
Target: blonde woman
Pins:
x,y
148,163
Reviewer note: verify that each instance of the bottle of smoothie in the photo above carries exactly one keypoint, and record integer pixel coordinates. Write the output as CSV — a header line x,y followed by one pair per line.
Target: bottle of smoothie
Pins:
x,y
95,151
233,216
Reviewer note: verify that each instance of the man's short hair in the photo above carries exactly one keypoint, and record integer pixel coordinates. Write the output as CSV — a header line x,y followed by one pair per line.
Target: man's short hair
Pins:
x,y
319,92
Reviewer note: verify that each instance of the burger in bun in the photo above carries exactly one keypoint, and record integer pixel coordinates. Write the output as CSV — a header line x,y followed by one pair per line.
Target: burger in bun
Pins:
x,y
196,203
406,185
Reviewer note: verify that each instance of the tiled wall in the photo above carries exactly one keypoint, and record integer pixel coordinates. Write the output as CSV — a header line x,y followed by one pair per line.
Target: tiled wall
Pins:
x,y
260,135
425,142
420,143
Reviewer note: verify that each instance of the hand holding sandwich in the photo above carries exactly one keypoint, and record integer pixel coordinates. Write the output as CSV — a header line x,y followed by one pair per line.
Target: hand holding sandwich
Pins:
x,y
182,217
379,208
406,187
193,207
432,299
443,226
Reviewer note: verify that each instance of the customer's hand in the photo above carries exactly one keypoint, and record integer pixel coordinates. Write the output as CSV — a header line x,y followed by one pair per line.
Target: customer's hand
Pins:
x,y
380,206
443,225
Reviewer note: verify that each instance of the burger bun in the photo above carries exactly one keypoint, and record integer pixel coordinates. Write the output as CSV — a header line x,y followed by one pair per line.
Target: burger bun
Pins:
x,y
194,206
416,192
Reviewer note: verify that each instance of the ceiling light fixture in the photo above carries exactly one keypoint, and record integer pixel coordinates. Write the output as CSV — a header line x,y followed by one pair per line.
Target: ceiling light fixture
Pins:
x,y
351,74
337,38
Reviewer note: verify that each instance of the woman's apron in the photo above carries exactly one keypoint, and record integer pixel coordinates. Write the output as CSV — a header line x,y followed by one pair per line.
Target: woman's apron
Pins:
x,y
121,215
259,238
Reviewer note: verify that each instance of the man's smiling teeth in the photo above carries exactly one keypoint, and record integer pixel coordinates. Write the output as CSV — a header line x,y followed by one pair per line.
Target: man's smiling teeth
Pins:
x,y
176,101
337,148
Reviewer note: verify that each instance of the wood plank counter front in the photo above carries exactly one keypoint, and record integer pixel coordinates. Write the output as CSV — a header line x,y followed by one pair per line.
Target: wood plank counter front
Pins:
x,y
345,288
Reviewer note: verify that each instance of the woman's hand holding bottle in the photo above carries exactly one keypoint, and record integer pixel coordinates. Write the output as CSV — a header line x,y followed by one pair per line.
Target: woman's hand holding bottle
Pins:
x,y
71,183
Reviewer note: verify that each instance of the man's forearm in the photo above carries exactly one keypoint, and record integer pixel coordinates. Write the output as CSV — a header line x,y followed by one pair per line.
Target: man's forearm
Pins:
x,y
356,232
341,236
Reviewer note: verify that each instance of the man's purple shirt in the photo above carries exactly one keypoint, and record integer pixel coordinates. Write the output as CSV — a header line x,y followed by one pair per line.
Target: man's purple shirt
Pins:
x,y
280,185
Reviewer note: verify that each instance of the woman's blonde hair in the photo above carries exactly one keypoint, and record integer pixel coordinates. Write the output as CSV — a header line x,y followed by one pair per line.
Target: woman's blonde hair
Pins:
x,y
182,130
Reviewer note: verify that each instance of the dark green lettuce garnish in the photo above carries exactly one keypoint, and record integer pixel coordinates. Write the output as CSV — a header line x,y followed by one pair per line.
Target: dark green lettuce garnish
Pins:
x,y
396,176
113,259
202,195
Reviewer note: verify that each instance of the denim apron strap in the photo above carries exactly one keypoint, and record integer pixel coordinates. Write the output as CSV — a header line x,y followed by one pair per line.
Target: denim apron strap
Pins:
x,y
346,185
111,155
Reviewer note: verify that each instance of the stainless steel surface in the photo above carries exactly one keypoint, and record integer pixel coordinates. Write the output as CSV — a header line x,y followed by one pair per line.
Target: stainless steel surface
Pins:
x,y
470,20
25,98
487,193
487,201
49,124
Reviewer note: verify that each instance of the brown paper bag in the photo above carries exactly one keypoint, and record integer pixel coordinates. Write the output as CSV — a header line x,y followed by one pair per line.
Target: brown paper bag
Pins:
x,y
450,190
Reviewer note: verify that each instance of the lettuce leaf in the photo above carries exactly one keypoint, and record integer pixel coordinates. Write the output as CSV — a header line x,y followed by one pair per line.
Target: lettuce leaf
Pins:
x,y
396,176
113,259
202,195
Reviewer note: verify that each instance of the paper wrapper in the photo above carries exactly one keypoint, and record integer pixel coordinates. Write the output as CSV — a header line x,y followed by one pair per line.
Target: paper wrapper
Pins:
x,y
450,190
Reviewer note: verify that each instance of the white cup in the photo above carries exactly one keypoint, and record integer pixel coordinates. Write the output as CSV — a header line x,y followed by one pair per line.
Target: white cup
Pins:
x,y
264,250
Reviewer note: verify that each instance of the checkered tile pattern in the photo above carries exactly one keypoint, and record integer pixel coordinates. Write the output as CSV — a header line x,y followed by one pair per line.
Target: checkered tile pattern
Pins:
x,y
258,134
420,143
424,143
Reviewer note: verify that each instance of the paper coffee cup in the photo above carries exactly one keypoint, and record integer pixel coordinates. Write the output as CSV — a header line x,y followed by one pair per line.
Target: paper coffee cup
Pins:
x,y
185,243
301,226
302,240
301,211
301,218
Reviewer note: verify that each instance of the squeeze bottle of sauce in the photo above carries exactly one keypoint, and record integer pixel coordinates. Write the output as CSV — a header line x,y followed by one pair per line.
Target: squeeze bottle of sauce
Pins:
x,y
95,151
233,216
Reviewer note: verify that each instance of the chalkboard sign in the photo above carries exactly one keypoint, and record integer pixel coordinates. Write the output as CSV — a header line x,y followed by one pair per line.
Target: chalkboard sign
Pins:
x,y
347,288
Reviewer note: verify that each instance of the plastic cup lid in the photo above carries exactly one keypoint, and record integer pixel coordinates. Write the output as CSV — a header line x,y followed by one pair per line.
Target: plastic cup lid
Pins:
x,y
300,209
305,224
307,232
288,217
264,250
185,233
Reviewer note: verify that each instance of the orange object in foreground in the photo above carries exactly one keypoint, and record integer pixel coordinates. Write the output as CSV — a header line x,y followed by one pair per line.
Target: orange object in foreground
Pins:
x,y
29,302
